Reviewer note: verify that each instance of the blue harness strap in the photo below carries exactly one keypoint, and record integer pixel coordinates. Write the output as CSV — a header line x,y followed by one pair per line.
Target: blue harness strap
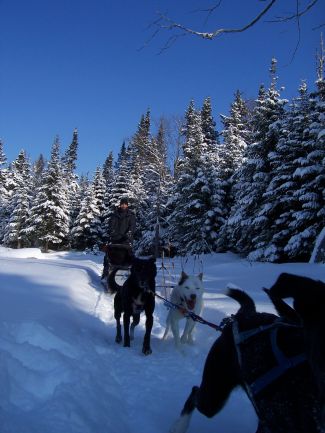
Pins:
x,y
284,363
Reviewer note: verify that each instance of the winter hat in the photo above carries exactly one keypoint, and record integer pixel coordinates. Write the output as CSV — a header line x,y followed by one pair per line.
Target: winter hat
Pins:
x,y
124,200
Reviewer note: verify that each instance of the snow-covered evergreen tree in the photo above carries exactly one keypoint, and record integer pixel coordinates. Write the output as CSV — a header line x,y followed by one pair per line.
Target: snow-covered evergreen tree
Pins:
x,y
87,230
48,222
195,211
309,218
4,193
236,137
151,217
210,135
247,217
19,203
69,160
281,191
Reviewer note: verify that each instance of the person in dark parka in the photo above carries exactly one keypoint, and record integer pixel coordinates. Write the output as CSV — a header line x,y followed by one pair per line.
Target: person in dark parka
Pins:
x,y
121,229
122,224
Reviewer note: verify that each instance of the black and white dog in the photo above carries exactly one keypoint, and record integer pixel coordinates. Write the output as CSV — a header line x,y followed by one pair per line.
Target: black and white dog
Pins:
x,y
136,295
268,357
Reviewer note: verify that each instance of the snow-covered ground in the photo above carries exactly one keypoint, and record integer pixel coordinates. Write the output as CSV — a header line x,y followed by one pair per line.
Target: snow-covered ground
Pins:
x,y
62,372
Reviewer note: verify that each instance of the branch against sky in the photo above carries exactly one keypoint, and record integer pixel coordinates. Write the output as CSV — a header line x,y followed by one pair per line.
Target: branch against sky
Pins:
x,y
177,29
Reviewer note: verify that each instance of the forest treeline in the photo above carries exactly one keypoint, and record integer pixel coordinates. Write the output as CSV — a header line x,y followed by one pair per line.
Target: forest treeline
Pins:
x,y
256,187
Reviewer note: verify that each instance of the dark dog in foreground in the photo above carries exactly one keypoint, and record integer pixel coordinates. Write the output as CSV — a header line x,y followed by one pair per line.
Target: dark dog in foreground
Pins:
x,y
268,357
309,305
136,295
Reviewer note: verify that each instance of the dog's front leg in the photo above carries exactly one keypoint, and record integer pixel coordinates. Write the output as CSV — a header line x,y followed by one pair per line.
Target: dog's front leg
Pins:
x,y
126,323
135,322
175,330
181,425
117,315
146,349
188,330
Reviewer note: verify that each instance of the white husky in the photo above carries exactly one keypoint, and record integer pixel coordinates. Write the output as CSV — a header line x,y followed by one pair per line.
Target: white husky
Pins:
x,y
188,295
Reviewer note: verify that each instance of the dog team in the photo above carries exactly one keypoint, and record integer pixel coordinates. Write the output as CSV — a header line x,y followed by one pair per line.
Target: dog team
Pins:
x,y
278,360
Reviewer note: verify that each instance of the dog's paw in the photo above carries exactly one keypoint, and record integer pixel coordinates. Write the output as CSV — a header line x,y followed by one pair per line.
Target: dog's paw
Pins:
x,y
126,344
118,339
147,351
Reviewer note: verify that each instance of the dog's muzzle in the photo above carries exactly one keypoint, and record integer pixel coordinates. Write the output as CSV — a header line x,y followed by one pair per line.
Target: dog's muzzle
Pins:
x,y
190,302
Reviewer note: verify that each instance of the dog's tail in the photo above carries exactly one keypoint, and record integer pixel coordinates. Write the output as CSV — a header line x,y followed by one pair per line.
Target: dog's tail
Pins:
x,y
247,304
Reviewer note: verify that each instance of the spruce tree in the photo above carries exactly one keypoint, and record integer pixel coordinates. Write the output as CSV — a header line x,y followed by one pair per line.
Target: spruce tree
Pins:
x,y
309,219
19,203
247,217
87,230
4,192
69,160
155,181
48,222
192,222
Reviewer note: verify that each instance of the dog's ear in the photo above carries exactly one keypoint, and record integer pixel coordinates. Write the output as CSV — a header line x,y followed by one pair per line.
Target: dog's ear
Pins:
x,y
200,276
184,277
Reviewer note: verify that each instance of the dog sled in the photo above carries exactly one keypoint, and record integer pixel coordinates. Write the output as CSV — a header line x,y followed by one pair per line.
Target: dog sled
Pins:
x,y
118,262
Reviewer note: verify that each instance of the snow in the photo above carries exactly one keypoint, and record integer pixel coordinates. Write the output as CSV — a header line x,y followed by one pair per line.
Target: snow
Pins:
x,y
62,372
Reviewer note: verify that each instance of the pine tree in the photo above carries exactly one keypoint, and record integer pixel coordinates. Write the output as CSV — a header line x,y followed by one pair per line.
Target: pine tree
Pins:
x,y
155,180
87,230
210,135
69,160
4,192
247,217
280,193
192,222
108,171
230,157
70,156
19,203
99,188
236,136
309,219
49,216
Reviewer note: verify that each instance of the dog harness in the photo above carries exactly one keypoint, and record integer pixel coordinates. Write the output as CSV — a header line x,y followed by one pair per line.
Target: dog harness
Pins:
x,y
284,363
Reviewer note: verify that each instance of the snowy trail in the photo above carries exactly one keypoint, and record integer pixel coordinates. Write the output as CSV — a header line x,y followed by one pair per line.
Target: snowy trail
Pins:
x,y
62,372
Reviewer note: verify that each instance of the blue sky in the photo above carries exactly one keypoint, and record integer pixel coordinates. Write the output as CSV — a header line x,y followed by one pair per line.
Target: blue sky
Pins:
x,y
69,64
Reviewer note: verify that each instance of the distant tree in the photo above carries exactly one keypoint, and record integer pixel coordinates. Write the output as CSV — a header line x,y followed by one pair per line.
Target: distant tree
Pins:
x,y
236,135
19,203
210,135
309,218
247,216
48,222
68,163
38,170
87,230
193,202
108,170
70,155
281,191
99,189
156,178
4,192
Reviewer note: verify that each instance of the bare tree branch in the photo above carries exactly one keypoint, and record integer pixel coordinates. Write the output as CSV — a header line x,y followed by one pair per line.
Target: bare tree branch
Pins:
x,y
170,25
296,15
209,11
